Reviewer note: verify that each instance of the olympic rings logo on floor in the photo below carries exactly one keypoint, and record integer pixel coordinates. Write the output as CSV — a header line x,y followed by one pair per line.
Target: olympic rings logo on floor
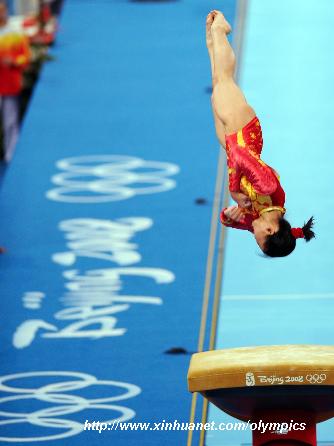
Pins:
x,y
316,378
63,403
106,178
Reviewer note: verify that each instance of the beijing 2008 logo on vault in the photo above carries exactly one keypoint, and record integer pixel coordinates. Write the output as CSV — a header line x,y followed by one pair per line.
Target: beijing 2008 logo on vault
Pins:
x,y
250,379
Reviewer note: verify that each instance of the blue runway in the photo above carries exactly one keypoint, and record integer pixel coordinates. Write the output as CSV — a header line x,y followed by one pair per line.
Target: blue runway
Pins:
x,y
106,247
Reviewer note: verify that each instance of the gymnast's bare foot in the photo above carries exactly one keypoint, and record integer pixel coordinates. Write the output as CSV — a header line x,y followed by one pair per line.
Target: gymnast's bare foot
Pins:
x,y
209,21
220,23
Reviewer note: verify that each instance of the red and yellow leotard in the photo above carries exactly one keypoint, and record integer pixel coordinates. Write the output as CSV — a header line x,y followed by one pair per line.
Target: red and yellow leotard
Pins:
x,y
251,176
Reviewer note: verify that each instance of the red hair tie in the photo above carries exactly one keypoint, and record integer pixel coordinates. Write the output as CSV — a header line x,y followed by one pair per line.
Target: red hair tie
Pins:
x,y
297,232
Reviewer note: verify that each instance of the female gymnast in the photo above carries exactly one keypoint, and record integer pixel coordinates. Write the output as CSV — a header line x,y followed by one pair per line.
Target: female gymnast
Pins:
x,y
253,185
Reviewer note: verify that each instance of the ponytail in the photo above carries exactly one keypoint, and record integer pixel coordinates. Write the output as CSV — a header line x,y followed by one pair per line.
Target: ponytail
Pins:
x,y
307,230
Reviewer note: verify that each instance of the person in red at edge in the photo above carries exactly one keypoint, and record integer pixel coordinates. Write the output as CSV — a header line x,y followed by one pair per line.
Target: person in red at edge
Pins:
x,y
253,185
14,57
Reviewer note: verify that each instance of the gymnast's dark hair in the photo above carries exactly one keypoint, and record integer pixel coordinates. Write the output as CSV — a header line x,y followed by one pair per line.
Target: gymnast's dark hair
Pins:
x,y
282,242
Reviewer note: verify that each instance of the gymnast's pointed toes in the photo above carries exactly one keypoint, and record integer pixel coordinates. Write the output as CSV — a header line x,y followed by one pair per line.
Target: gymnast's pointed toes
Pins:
x,y
220,22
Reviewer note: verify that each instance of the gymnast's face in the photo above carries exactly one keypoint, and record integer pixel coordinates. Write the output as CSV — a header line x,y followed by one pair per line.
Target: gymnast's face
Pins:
x,y
263,228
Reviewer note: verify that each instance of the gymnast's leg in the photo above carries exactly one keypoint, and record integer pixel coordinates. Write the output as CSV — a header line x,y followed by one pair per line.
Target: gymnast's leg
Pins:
x,y
229,103
220,128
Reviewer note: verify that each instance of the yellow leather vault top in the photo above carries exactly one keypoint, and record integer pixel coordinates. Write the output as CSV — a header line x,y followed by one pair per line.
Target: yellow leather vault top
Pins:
x,y
262,366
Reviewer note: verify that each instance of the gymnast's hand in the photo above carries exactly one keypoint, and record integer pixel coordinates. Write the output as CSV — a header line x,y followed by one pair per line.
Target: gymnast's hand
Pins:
x,y
234,213
242,200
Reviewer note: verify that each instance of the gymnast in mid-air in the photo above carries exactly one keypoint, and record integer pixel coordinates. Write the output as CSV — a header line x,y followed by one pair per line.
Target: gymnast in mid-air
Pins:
x,y
253,185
